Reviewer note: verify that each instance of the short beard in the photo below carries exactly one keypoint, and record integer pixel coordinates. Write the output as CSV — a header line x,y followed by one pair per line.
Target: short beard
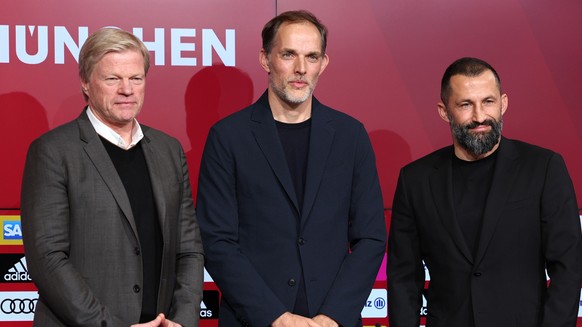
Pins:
x,y
477,143
286,96
289,99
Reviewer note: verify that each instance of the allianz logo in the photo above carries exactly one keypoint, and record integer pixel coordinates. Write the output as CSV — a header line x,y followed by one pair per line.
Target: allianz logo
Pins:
x,y
18,273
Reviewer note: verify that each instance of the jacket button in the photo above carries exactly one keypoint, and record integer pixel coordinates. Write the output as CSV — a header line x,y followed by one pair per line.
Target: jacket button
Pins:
x,y
136,288
291,282
301,241
477,274
137,251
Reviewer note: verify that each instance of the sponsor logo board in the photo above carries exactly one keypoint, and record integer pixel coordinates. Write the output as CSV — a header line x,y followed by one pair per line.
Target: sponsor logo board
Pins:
x,y
17,306
13,268
11,230
376,305
209,305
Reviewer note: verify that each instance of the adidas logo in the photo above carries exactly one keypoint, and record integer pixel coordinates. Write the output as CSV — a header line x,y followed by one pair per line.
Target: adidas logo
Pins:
x,y
18,273
205,313
209,305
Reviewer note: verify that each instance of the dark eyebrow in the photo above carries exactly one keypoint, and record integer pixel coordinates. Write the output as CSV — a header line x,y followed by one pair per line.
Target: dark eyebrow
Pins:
x,y
289,50
464,100
313,53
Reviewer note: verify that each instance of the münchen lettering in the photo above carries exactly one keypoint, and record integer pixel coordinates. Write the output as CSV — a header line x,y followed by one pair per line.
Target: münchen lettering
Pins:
x,y
185,46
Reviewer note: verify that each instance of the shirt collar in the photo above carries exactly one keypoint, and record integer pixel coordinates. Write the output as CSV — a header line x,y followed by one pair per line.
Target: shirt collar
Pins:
x,y
110,135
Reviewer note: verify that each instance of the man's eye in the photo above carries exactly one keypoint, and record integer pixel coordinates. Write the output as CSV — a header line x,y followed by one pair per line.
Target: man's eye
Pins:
x,y
111,80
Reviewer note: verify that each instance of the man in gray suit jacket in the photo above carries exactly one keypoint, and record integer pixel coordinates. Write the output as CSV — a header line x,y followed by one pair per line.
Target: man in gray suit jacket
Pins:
x,y
109,227
488,215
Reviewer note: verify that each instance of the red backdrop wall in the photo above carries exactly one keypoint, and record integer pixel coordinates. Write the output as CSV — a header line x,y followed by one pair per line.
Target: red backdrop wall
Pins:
x,y
386,61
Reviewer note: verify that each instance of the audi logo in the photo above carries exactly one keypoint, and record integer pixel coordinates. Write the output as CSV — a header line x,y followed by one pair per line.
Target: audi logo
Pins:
x,y
18,306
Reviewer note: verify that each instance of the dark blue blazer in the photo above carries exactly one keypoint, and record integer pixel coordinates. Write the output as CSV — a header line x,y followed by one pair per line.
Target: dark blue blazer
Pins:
x,y
257,240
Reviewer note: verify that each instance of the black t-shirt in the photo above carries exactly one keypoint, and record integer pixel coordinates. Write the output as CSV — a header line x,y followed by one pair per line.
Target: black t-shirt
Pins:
x,y
295,141
471,184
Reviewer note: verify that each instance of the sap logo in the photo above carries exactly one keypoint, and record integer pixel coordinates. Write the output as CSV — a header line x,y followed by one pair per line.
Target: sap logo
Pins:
x,y
209,305
12,230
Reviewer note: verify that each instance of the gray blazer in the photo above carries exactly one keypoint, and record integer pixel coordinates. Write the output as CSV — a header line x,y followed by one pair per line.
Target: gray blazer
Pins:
x,y
80,238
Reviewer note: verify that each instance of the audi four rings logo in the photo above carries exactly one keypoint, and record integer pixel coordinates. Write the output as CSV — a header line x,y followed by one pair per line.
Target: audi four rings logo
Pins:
x,y
18,306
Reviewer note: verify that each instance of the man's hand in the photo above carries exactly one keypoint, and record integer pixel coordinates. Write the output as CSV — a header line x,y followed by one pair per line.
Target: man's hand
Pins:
x,y
291,320
325,321
160,321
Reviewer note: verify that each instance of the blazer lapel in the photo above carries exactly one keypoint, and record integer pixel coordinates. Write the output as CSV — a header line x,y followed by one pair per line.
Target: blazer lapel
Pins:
x,y
441,187
503,178
320,141
265,132
102,162
154,168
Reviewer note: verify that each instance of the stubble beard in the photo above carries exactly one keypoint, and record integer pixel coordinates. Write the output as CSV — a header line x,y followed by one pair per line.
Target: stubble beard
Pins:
x,y
285,93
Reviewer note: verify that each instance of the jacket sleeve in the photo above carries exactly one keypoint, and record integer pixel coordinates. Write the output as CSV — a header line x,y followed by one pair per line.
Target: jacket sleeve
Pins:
x,y
247,293
367,238
562,246
45,228
189,260
405,271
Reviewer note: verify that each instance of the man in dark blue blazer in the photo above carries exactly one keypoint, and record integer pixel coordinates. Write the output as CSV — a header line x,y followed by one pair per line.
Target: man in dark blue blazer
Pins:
x,y
488,215
289,202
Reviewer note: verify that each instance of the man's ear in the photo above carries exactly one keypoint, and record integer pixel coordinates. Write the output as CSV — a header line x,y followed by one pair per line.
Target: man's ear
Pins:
x,y
85,87
264,60
324,63
504,103
442,109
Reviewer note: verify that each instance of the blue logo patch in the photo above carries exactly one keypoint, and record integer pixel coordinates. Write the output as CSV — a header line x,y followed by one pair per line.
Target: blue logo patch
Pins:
x,y
12,230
